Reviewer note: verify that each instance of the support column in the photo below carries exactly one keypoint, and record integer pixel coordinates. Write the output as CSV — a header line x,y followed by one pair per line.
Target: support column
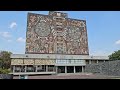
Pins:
x,y
13,69
56,69
74,70
36,68
25,68
97,61
46,68
65,69
21,68
104,60
89,61
82,68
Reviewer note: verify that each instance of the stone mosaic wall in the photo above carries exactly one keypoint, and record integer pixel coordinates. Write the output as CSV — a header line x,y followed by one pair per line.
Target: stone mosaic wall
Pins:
x,y
44,62
17,62
28,62
105,68
32,62
56,33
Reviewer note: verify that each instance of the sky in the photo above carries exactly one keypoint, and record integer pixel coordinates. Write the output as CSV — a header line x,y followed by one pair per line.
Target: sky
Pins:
x,y
103,30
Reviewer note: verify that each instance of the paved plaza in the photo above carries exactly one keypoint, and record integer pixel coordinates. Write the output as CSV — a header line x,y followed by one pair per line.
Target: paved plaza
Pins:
x,y
72,76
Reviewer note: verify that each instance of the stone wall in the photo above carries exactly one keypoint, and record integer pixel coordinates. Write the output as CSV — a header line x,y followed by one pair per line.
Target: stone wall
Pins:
x,y
105,68
32,62
6,76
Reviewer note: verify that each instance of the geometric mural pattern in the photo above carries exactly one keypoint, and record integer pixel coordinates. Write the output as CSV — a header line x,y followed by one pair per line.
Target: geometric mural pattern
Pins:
x,y
32,62
28,62
17,62
56,33
44,62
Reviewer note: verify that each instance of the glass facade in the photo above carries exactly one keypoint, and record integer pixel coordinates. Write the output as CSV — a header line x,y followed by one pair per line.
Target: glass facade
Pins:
x,y
70,61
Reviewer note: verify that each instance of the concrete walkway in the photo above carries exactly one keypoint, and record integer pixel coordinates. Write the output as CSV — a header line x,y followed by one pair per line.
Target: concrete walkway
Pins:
x,y
72,76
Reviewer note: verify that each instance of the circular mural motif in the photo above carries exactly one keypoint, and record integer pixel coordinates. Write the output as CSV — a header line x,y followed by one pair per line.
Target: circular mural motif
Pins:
x,y
42,29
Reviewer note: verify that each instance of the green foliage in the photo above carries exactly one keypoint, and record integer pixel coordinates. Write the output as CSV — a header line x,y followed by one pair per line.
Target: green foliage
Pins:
x,y
5,59
5,62
4,71
115,55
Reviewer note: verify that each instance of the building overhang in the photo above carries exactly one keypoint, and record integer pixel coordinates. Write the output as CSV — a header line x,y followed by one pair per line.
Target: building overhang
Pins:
x,y
32,73
57,56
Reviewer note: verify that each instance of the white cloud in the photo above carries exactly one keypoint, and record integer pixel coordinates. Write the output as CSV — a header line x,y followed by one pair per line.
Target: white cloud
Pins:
x,y
20,39
117,42
5,34
13,25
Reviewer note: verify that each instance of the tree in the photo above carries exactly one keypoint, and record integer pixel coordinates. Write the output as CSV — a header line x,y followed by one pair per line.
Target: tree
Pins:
x,y
4,71
5,59
115,55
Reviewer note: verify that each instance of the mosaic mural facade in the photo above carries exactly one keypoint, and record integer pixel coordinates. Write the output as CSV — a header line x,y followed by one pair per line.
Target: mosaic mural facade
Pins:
x,y
56,33
32,62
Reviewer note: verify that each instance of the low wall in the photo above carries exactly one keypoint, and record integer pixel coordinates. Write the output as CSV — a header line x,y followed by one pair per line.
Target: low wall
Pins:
x,y
6,76
105,68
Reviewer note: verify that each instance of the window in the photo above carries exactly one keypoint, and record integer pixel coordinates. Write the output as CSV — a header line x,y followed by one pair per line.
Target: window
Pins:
x,y
30,68
51,68
17,68
69,61
87,61
41,68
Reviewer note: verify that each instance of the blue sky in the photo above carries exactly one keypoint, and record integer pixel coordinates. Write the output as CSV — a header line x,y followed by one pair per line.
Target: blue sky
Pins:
x,y
103,28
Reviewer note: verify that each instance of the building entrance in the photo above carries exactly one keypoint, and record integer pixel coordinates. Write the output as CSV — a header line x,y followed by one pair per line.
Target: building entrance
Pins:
x,y
78,69
70,69
61,69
